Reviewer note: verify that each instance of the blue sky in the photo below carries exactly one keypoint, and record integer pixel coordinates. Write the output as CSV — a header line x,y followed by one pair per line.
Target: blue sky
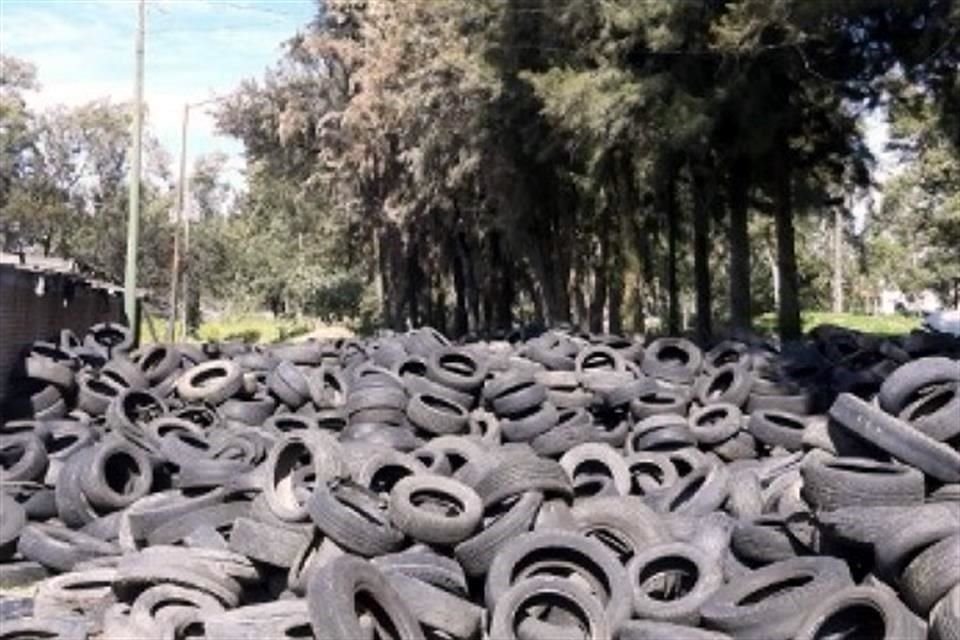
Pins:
x,y
195,50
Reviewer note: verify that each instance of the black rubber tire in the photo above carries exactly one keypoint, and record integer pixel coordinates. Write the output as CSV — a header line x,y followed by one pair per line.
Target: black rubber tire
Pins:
x,y
111,337
862,612
444,613
574,427
730,383
477,553
59,548
57,369
771,603
766,539
651,630
431,526
428,566
727,352
77,592
286,455
714,423
253,411
596,456
667,432
219,516
526,427
745,500
23,458
945,617
436,415
931,574
623,523
672,359
555,553
355,518
11,524
73,508
332,598
650,472
660,401
652,570
519,474
898,537
896,437
908,382
832,483
276,546
213,382
698,493
456,369
778,428
587,607
158,362
124,372
69,628
118,475
153,606
936,413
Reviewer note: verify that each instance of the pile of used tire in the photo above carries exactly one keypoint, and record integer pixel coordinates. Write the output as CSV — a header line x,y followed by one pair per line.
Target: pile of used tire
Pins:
x,y
560,487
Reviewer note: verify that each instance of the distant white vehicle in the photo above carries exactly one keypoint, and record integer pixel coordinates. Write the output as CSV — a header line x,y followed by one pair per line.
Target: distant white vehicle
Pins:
x,y
943,321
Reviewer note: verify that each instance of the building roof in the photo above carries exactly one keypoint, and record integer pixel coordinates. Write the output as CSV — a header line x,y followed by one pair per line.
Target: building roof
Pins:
x,y
51,266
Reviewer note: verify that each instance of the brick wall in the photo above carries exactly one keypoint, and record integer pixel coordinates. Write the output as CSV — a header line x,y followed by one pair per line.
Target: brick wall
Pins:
x,y
64,301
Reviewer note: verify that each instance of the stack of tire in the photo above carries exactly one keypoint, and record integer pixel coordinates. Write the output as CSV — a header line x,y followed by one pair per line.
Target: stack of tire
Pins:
x,y
564,486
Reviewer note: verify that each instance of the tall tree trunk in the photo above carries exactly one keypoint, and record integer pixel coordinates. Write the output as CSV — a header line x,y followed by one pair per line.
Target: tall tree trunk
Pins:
x,y
672,214
738,239
460,320
506,291
616,284
701,255
837,261
390,260
471,289
580,311
599,301
789,309
414,283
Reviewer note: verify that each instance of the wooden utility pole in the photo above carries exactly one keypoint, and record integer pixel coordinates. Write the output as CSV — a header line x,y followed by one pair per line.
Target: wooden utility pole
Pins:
x,y
133,221
837,260
181,220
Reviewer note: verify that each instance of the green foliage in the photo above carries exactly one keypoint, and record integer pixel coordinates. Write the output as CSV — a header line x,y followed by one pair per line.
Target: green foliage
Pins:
x,y
880,325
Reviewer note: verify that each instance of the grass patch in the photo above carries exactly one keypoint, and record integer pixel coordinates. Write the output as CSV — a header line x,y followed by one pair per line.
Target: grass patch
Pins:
x,y
883,325
251,329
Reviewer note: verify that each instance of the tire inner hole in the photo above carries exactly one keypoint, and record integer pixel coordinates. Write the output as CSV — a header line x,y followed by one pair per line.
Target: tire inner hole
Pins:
x,y
712,417
774,589
459,364
208,377
784,421
365,604
441,405
870,469
384,478
641,470
852,622
668,578
720,384
673,355
121,472
437,502
688,492
564,563
547,605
